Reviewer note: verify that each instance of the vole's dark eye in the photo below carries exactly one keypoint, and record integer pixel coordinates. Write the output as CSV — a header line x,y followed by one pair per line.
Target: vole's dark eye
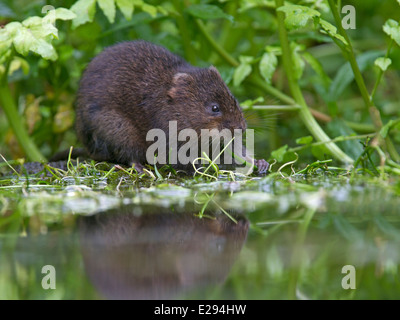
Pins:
x,y
215,108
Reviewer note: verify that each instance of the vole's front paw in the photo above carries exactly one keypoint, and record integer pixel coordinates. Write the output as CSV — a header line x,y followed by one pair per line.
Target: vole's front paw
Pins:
x,y
139,167
262,166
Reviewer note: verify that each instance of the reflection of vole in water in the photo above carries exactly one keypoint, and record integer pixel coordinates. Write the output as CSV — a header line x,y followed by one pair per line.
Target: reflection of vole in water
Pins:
x,y
158,256
133,87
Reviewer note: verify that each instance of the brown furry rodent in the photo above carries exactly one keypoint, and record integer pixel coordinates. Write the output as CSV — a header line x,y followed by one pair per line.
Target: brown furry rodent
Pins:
x,y
136,86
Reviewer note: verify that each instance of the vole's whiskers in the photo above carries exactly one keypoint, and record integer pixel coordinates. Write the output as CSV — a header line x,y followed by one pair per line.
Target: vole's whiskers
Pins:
x,y
260,120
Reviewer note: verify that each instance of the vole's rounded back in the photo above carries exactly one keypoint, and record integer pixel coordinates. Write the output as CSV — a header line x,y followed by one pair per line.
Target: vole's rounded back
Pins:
x,y
136,86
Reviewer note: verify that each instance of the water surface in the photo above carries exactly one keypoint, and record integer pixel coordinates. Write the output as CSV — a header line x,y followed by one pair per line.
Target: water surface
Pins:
x,y
263,238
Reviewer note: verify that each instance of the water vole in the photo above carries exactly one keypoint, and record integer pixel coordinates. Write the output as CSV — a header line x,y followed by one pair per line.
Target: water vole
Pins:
x,y
135,86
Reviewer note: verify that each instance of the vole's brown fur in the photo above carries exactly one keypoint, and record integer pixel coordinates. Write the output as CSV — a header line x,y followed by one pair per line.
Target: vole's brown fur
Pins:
x,y
136,86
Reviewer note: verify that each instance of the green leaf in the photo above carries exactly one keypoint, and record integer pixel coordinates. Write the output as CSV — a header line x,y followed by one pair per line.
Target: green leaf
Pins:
x,y
280,153
383,63
162,10
317,67
151,10
387,127
42,28
297,16
6,39
319,5
249,4
64,14
18,63
32,21
207,11
84,10
108,8
246,59
241,73
247,104
274,49
25,41
305,140
392,29
33,34
5,44
267,66
226,73
345,74
319,152
45,49
298,63
330,29
12,28
126,7
243,70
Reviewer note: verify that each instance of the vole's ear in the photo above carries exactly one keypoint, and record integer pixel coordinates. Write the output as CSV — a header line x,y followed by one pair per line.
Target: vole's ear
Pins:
x,y
214,69
178,80
180,76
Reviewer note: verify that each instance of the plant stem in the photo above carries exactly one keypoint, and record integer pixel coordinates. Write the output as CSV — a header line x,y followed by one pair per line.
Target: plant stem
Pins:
x,y
351,57
304,112
369,104
338,139
273,108
14,119
360,127
380,74
219,49
259,82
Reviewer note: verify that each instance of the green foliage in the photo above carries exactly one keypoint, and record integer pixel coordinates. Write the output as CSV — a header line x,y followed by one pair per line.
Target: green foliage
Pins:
x,y
392,29
304,140
243,70
33,34
298,16
345,75
268,64
280,153
42,56
206,11
86,9
383,63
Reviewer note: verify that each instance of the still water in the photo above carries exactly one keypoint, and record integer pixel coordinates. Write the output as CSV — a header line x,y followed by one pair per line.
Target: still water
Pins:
x,y
264,238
